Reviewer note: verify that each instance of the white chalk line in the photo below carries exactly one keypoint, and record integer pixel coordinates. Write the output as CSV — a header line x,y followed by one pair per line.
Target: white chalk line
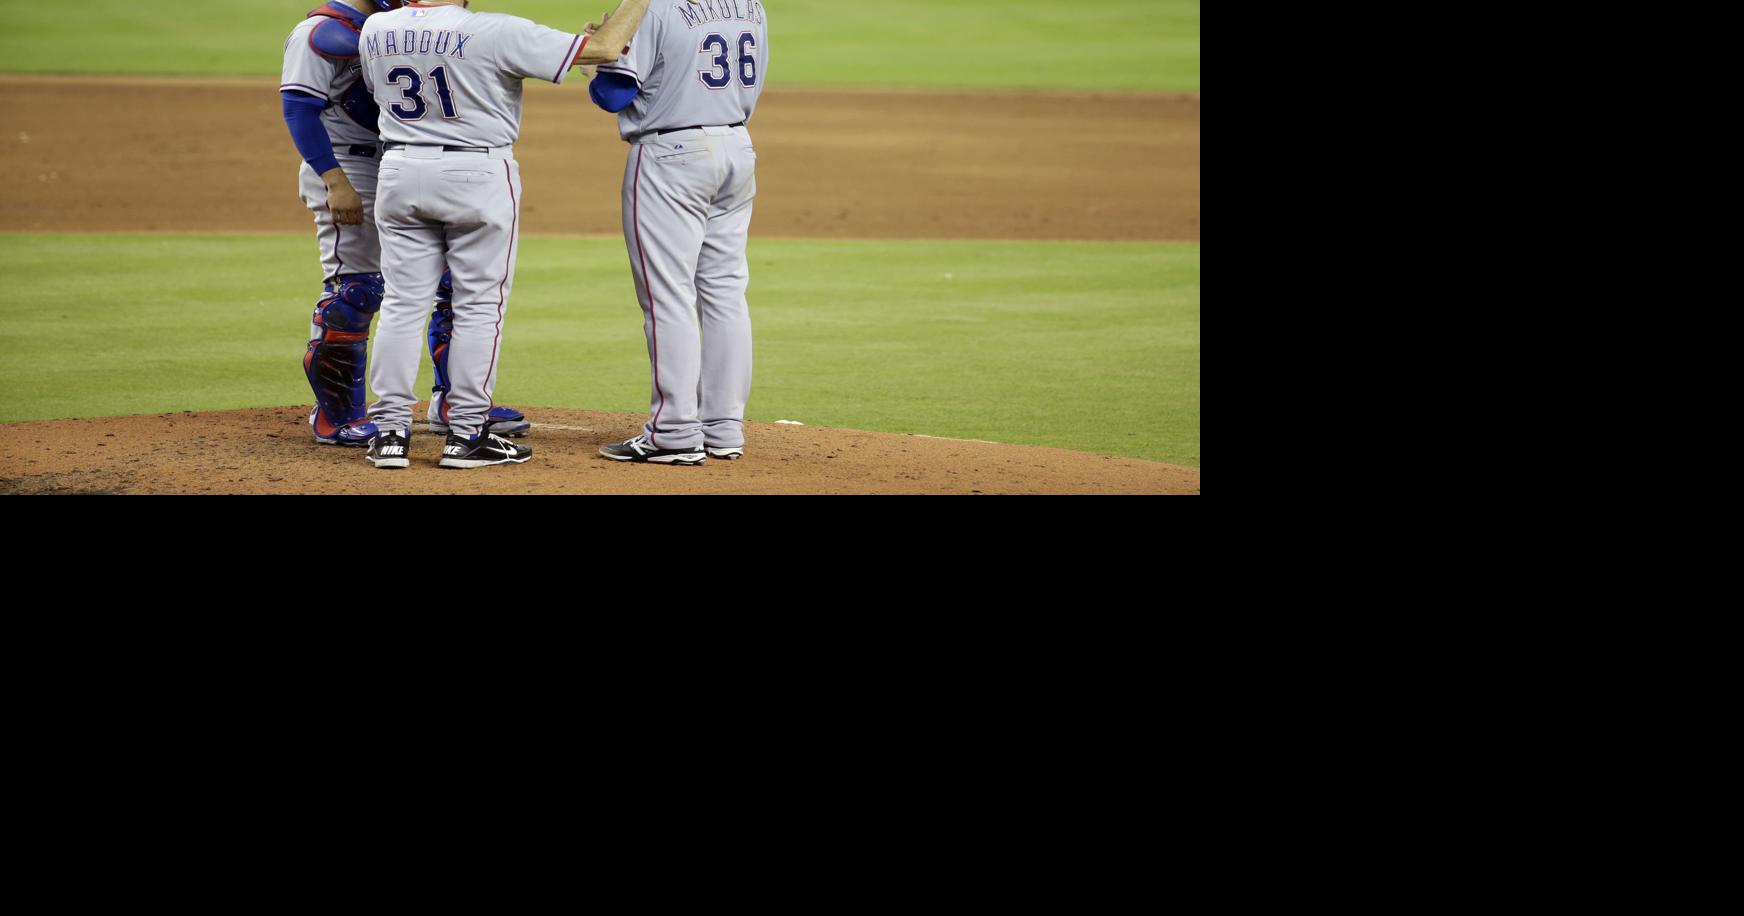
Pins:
x,y
586,429
949,439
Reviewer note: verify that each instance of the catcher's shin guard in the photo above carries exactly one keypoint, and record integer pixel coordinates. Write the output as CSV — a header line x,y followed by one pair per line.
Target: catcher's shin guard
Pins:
x,y
503,421
336,358
441,331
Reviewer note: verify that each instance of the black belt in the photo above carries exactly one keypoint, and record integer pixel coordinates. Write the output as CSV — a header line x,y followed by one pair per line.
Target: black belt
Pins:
x,y
446,149
366,150
673,130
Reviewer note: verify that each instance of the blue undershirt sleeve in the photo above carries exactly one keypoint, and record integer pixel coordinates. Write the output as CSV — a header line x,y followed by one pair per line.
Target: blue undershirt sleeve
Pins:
x,y
613,91
303,116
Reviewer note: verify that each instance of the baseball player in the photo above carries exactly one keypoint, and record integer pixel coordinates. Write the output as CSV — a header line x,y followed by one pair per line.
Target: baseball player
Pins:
x,y
448,83
332,120
683,93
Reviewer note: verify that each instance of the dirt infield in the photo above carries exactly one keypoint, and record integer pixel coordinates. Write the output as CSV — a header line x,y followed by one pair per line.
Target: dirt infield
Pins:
x,y
270,451
108,155
89,154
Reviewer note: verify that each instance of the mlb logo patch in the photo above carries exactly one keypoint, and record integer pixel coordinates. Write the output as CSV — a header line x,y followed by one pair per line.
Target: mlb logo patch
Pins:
x,y
419,13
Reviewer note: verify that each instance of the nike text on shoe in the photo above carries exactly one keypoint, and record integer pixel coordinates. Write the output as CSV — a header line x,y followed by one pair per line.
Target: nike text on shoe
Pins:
x,y
390,450
485,451
727,453
639,450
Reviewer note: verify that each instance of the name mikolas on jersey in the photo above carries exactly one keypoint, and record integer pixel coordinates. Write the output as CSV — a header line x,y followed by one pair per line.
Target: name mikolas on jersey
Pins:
x,y
707,11
442,43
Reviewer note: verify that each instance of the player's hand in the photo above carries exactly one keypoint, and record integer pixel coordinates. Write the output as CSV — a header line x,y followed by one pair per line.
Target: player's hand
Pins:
x,y
593,27
342,199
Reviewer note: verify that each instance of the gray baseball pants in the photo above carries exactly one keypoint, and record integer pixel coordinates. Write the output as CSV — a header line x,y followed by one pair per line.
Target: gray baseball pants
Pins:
x,y
439,210
687,216
345,250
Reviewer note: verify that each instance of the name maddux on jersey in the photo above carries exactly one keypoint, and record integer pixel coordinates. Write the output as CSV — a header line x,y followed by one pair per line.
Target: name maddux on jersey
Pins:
x,y
443,42
706,11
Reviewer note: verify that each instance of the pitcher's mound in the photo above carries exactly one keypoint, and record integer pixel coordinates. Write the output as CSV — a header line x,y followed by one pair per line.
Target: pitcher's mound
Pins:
x,y
270,450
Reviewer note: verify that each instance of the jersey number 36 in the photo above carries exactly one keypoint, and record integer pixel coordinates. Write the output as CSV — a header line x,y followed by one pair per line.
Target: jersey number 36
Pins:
x,y
722,75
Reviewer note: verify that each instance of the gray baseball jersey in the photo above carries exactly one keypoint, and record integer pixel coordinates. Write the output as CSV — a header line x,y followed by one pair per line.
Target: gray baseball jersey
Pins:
x,y
345,250
326,79
445,76
688,188
698,64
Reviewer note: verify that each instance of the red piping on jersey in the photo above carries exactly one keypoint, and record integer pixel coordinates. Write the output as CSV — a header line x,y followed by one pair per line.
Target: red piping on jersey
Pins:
x,y
508,264
573,58
654,350
338,239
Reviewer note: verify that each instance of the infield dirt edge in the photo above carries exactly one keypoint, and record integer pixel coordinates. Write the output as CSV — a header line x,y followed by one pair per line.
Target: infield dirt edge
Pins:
x,y
270,451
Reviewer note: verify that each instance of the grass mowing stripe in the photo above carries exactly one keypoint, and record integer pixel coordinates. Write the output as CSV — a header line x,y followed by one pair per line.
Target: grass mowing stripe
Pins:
x,y
1108,45
1087,346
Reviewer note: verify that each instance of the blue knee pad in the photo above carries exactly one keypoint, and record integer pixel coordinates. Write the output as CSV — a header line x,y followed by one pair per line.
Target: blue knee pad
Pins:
x,y
335,360
351,303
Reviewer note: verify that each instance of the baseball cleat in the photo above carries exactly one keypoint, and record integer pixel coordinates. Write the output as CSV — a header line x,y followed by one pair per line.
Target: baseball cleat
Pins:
x,y
486,450
727,452
389,450
357,435
639,450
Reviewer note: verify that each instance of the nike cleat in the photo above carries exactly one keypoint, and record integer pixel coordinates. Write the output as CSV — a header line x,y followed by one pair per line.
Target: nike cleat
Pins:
x,y
486,450
389,450
640,450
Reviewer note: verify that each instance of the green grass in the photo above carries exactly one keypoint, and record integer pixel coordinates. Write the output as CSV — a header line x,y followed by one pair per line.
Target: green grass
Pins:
x,y
1087,346
1108,45
1112,45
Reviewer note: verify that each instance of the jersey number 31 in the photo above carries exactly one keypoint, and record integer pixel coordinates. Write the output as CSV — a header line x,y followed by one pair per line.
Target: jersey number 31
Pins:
x,y
722,75
412,106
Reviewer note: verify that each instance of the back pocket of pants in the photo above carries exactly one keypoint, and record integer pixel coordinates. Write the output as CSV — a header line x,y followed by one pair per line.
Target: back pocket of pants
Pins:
x,y
678,157
467,176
